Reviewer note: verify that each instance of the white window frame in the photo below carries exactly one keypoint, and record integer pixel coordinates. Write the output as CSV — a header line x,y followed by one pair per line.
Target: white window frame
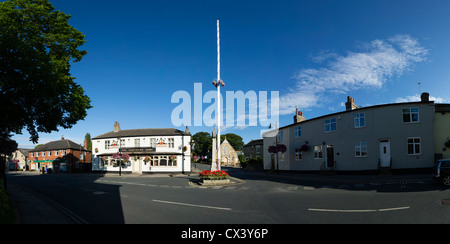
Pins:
x,y
298,131
414,143
280,136
318,152
410,113
357,118
155,161
107,144
171,142
152,142
298,154
137,142
328,124
360,148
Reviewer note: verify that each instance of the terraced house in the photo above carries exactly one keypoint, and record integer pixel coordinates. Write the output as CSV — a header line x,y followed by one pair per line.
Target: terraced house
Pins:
x,y
392,136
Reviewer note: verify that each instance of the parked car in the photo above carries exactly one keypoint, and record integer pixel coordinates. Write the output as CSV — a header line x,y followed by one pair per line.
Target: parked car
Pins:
x,y
441,171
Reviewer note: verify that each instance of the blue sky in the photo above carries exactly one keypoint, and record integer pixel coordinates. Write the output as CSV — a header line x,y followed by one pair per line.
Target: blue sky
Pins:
x,y
315,53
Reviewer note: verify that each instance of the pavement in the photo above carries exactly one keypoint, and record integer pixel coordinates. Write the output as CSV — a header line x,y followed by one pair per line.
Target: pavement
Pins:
x,y
33,208
348,178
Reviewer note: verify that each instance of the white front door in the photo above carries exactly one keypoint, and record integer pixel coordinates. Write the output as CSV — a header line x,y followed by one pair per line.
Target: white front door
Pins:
x,y
137,166
385,153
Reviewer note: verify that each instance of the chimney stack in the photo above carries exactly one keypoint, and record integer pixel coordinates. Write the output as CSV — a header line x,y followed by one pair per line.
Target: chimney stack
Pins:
x,y
350,104
116,127
298,117
425,97
85,144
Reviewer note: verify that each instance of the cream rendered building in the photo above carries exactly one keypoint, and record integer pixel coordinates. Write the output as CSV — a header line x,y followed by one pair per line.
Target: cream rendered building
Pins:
x,y
395,136
442,131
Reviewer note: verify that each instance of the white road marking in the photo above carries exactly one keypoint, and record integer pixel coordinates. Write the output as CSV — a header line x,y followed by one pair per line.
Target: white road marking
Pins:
x,y
192,205
357,210
392,209
342,210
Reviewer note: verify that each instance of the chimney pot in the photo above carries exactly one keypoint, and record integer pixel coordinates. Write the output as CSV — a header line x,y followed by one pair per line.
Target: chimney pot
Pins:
x,y
425,97
350,104
298,117
116,127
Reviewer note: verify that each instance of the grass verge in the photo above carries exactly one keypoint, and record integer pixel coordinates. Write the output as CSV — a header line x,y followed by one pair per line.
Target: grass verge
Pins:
x,y
7,214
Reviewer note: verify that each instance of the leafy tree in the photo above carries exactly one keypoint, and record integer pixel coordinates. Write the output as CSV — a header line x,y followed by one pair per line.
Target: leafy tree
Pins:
x,y
37,91
87,137
203,143
38,145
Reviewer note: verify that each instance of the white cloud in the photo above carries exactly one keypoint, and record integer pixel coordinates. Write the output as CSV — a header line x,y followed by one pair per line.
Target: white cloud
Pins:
x,y
416,98
369,68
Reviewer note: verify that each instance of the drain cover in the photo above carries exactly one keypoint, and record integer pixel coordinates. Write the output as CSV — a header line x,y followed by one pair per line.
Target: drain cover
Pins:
x,y
445,201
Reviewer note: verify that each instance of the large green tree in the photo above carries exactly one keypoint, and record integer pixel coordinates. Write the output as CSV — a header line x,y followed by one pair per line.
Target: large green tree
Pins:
x,y
88,139
203,143
37,91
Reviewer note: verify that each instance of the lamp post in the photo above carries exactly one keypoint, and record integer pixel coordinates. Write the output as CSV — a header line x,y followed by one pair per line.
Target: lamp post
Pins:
x,y
120,163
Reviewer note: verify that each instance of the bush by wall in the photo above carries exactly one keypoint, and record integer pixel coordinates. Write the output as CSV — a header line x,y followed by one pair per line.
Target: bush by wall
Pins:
x,y
7,215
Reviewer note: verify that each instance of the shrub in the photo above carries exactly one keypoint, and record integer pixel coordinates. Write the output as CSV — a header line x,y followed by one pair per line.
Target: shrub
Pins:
x,y
7,215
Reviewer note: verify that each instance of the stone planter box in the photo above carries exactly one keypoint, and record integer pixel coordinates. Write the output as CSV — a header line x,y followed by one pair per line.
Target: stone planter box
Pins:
x,y
214,182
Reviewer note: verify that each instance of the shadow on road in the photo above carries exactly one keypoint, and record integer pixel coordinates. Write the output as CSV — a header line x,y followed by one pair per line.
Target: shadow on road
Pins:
x,y
72,195
401,182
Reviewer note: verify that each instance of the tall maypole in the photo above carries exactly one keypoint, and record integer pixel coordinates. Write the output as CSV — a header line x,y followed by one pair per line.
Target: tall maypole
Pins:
x,y
218,83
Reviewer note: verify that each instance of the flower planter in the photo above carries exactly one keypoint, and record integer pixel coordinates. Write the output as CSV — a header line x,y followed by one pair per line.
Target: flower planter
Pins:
x,y
209,182
217,177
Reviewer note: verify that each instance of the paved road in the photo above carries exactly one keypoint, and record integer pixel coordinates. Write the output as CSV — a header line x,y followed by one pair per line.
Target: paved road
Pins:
x,y
261,198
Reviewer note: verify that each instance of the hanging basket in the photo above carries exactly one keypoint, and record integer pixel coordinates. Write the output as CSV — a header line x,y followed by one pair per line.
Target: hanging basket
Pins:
x,y
447,143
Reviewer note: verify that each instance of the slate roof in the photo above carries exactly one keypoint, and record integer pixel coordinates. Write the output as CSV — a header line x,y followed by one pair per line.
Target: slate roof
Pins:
x,y
442,107
254,143
142,132
58,145
24,151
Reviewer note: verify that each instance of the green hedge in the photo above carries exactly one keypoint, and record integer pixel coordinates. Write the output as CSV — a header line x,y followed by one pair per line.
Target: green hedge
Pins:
x,y
7,215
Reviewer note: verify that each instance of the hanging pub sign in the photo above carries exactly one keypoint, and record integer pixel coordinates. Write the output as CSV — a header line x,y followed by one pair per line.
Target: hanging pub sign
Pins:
x,y
137,149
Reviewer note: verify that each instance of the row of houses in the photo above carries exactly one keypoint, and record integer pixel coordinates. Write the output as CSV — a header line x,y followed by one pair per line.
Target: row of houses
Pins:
x,y
407,135
395,136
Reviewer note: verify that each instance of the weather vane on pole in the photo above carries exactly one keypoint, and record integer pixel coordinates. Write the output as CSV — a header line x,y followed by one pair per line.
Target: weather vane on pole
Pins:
x,y
218,84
